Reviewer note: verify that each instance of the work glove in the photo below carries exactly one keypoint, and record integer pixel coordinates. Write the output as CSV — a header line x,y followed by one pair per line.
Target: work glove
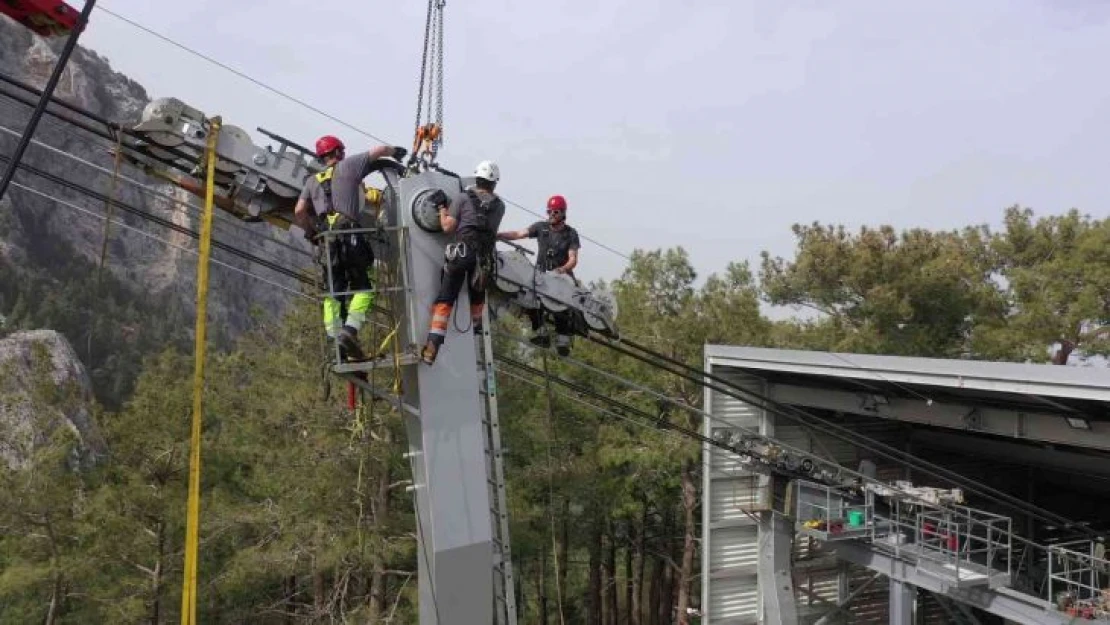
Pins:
x,y
399,152
438,198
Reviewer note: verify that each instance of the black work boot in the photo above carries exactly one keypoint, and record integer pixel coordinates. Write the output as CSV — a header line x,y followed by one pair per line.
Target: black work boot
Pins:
x,y
348,344
540,338
562,344
431,349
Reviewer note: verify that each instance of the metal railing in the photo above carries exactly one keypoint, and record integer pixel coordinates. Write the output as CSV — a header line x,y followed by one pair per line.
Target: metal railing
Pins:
x,y
326,237
963,545
830,515
966,543
1079,579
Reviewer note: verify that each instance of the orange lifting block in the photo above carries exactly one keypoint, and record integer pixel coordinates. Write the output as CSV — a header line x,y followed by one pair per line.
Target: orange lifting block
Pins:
x,y
49,18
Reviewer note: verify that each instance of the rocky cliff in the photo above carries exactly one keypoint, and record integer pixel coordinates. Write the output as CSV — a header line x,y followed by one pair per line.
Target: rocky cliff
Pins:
x,y
47,247
43,387
156,270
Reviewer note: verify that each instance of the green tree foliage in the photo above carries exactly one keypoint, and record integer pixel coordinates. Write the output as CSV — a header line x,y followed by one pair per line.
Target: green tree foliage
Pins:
x,y
912,293
623,487
304,514
45,520
1058,274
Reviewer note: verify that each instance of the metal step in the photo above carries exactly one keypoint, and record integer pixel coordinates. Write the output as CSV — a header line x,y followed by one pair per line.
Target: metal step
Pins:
x,y
376,363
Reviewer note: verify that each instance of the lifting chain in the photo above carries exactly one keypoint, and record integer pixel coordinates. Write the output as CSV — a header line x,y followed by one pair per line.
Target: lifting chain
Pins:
x,y
429,136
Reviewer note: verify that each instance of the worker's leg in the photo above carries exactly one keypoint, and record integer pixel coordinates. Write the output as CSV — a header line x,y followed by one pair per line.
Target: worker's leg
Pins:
x,y
358,265
478,279
539,330
333,309
563,328
451,281
477,302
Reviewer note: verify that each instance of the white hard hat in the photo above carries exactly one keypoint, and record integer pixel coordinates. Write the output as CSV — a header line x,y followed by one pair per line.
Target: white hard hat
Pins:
x,y
487,170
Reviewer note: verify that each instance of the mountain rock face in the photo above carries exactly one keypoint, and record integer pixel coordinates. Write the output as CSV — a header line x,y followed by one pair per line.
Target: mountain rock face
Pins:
x,y
159,265
43,386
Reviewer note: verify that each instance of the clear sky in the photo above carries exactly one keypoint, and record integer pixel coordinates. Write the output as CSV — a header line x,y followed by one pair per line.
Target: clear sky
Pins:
x,y
714,126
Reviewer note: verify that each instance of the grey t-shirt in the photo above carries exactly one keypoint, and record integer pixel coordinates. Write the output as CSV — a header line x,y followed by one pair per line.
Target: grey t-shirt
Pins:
x,y
347,190
464,210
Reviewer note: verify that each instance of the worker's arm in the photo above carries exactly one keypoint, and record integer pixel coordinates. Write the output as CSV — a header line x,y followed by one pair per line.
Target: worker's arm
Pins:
x,y
572,262
383,151
446,221
572,254
302,218
449,215
513,235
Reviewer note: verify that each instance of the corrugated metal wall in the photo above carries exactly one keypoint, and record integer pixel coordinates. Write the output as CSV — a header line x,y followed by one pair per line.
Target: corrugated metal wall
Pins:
x,y
730,536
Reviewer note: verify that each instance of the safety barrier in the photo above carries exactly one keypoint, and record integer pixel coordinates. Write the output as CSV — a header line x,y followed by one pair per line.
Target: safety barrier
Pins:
x,y
326,239
1079,579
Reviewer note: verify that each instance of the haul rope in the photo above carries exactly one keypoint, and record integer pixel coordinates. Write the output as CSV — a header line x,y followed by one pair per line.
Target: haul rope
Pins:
x,y
109,209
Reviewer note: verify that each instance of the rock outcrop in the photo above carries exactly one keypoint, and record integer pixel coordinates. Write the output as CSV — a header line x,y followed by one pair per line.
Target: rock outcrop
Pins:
x,y
44,386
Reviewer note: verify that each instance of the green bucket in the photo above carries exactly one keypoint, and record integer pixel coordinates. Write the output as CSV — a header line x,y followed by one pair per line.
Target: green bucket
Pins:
x,y
855,518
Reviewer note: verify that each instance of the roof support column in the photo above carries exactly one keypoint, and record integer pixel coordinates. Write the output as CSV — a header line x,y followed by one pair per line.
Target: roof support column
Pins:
x,y
903,596
776,586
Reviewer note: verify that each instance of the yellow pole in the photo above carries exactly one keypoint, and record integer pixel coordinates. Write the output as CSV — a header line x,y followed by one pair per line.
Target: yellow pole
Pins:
x,y
189,590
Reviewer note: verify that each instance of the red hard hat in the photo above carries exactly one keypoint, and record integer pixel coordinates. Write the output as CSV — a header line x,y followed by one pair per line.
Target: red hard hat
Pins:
x,y
328,143
557,203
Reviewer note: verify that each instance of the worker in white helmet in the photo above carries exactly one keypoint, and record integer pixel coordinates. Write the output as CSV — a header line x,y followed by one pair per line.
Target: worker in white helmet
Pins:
x,y
473,217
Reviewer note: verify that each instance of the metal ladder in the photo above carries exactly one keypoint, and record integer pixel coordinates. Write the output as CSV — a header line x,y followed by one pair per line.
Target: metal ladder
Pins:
x,y
504,596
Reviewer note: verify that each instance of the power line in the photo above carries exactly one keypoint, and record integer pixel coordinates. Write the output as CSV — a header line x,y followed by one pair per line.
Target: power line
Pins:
x,y
155,237
861,441
378,139
838,431
161,221
312,108
242,75
47,91
234,223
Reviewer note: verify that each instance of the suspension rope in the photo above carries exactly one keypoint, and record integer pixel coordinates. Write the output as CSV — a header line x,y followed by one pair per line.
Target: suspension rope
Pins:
x,y
108,210
551,486
189,591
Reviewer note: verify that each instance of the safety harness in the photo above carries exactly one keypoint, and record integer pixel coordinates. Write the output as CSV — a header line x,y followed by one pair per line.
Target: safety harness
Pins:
x,y
483,239
332,219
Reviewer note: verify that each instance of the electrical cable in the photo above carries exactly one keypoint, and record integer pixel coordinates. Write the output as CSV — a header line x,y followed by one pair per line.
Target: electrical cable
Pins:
x,y
645,417
339,121
837,431
229,221
161,221
312,108
154,237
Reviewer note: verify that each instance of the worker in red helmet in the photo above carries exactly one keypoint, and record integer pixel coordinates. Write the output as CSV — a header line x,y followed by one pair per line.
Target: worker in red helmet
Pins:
x,y
333,200
558,253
